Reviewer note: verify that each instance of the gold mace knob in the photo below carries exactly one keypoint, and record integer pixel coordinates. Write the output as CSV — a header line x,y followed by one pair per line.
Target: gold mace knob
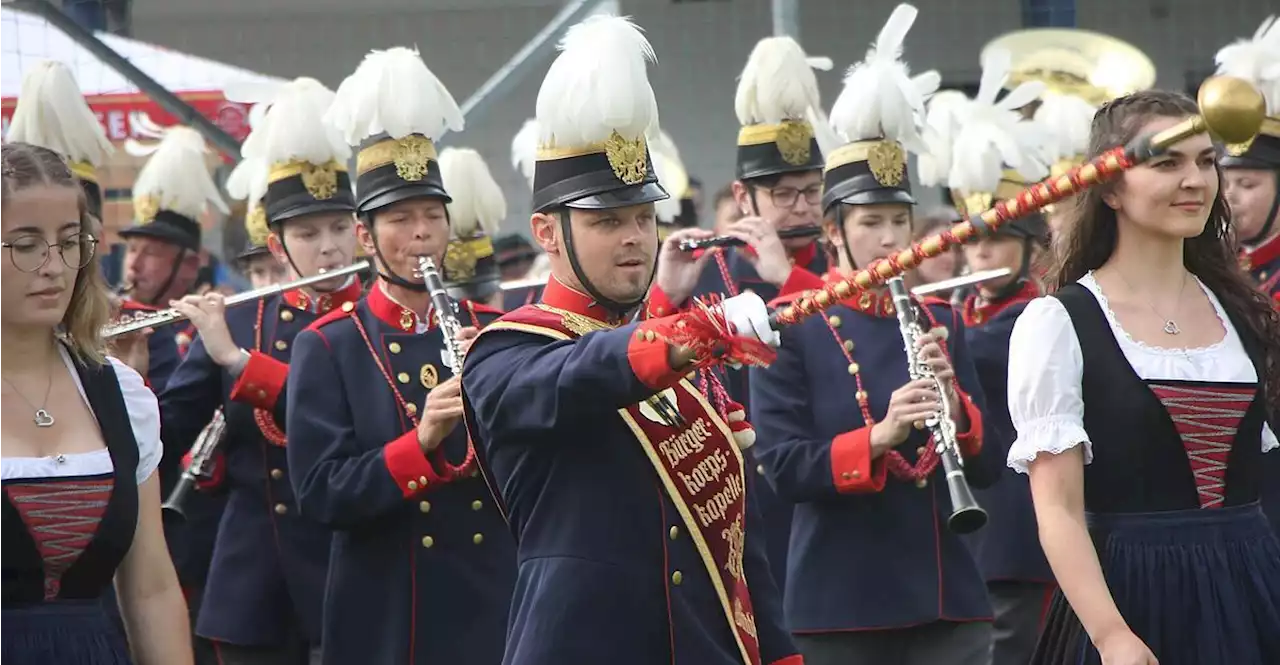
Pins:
x,y
1232,108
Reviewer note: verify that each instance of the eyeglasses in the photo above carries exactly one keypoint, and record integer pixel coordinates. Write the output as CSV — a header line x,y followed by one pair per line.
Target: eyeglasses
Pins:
x,y
786,197
31,253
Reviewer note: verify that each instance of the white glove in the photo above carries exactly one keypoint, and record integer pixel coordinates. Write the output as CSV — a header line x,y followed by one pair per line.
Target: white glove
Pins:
x,y
749,317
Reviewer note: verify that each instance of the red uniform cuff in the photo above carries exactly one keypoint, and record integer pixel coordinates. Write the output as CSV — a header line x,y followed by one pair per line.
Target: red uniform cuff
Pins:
x,y
261,381
659,304
408,466
852,469
800,280
789,660
970,440
648,355
217,473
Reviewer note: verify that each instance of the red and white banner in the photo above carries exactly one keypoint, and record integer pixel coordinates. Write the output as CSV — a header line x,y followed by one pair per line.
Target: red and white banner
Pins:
x,y
119,113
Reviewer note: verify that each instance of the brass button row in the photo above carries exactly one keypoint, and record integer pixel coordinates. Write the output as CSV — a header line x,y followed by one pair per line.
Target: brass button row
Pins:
x,y
428,542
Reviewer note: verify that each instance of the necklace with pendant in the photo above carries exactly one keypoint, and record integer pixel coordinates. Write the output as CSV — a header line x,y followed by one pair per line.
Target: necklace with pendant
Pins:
x,y
42,416
1170,326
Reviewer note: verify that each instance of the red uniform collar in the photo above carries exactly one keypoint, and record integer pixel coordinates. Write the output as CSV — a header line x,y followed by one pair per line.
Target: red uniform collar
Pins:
x,y
802,257
393,313
867,302
325,302
1262,254
557,295
976,315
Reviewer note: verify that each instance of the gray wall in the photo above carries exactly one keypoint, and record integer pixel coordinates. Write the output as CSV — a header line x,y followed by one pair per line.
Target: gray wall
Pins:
x,y
701,48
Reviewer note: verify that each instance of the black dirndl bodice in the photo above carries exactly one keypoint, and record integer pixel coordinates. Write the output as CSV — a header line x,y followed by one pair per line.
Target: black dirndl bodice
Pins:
x,y
64,538
1171,501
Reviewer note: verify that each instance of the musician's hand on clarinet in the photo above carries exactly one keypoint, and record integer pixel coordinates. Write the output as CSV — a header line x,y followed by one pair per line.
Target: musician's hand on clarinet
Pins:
x,y
440,414
931,354
134,350
465,337
678,270
915,401
770,260
208,313
1125,648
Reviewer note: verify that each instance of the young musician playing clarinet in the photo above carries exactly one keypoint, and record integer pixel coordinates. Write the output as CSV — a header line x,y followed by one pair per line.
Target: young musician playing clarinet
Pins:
x,y
1251,184
266,582
874,574
1141,391
422,563
622,480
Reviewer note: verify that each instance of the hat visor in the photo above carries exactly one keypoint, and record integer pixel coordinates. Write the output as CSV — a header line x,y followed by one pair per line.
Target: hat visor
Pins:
x,y
403,194
621,198
162,232
1246,162
871,197
311,209
253,252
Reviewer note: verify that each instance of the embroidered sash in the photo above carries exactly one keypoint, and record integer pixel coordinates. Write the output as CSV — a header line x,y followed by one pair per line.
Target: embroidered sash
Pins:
x,y
700,467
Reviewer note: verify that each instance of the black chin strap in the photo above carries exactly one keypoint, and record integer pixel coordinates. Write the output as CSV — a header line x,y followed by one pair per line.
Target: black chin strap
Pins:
x,y
1265,231
298,272
844,239
1014,285
154,301
618,309
382,267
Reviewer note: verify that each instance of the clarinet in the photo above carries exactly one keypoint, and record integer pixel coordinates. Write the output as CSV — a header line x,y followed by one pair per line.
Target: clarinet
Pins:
x,y
201,460
966,515
446,313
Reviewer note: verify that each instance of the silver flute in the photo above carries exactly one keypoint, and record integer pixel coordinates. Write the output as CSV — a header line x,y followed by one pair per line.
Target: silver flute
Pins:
x,y
446,313
966,515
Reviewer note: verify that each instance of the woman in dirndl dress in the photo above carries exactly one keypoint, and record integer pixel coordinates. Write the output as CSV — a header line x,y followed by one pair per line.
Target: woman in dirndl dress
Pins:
x,y
81,434
1141,392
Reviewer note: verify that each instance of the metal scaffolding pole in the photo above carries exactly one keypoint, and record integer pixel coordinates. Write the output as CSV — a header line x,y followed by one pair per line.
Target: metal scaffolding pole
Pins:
x,y
786,18
530,55
168,101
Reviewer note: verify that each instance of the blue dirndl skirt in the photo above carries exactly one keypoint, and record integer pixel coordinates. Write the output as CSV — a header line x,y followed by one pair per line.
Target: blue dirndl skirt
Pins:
x,y
62,632
1199,587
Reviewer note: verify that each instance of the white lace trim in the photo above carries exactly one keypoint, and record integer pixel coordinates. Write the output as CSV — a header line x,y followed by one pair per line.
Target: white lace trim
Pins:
x,y
1051,434
1089,282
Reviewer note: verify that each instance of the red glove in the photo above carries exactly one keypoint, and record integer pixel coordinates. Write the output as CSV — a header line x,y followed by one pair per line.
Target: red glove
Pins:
x,y
216,474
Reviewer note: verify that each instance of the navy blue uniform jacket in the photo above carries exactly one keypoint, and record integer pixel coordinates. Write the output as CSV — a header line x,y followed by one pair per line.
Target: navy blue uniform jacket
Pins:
x,y
868,551
608,571
1263,262
266,578
422,565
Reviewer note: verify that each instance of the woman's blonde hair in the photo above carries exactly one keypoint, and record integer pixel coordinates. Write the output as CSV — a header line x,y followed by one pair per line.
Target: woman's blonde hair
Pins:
x,y
24,165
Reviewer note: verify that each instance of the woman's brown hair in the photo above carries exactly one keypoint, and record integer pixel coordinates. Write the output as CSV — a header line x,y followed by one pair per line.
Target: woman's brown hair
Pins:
x,y
1089,233
24,165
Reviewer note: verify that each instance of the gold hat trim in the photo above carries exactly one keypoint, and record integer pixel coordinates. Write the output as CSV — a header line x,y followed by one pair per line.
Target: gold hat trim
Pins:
x,y
886,159
794,139
627,157
321,180
461,256
145,209
255,225
84,171
411,156
1270,127
972,203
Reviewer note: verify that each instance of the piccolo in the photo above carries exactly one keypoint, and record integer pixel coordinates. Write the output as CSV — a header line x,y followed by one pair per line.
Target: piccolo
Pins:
x,y
163,317
812,231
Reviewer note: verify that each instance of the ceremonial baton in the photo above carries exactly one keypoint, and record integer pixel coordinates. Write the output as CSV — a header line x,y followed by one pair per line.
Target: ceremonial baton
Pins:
x,y
1231,109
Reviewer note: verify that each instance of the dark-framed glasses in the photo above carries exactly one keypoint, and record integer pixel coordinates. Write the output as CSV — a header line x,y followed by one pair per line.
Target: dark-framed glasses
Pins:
x,y
31,253
786,197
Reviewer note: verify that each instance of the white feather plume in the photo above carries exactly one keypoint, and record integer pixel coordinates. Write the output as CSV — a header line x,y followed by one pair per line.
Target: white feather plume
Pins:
x,y
524,150
826,136
293,128
598,84
777,84
1067,120
177,175
940,127
880,98
248,180
478,204
53,114
1256,60
986,136
673,177
393,92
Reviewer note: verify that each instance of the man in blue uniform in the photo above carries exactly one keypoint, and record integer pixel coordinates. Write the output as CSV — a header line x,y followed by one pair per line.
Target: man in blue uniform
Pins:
x,y
874,573
422,565
622,481
266,583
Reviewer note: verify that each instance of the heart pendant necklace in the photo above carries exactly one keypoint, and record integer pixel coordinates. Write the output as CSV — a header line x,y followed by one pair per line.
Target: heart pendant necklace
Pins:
x,y
42,416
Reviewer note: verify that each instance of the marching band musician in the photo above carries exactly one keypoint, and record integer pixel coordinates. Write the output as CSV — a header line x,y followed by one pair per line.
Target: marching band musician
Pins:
x,y
256,261
623,483
671,172
262,603
470,270
873,575
52,113
1251,184
422,566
